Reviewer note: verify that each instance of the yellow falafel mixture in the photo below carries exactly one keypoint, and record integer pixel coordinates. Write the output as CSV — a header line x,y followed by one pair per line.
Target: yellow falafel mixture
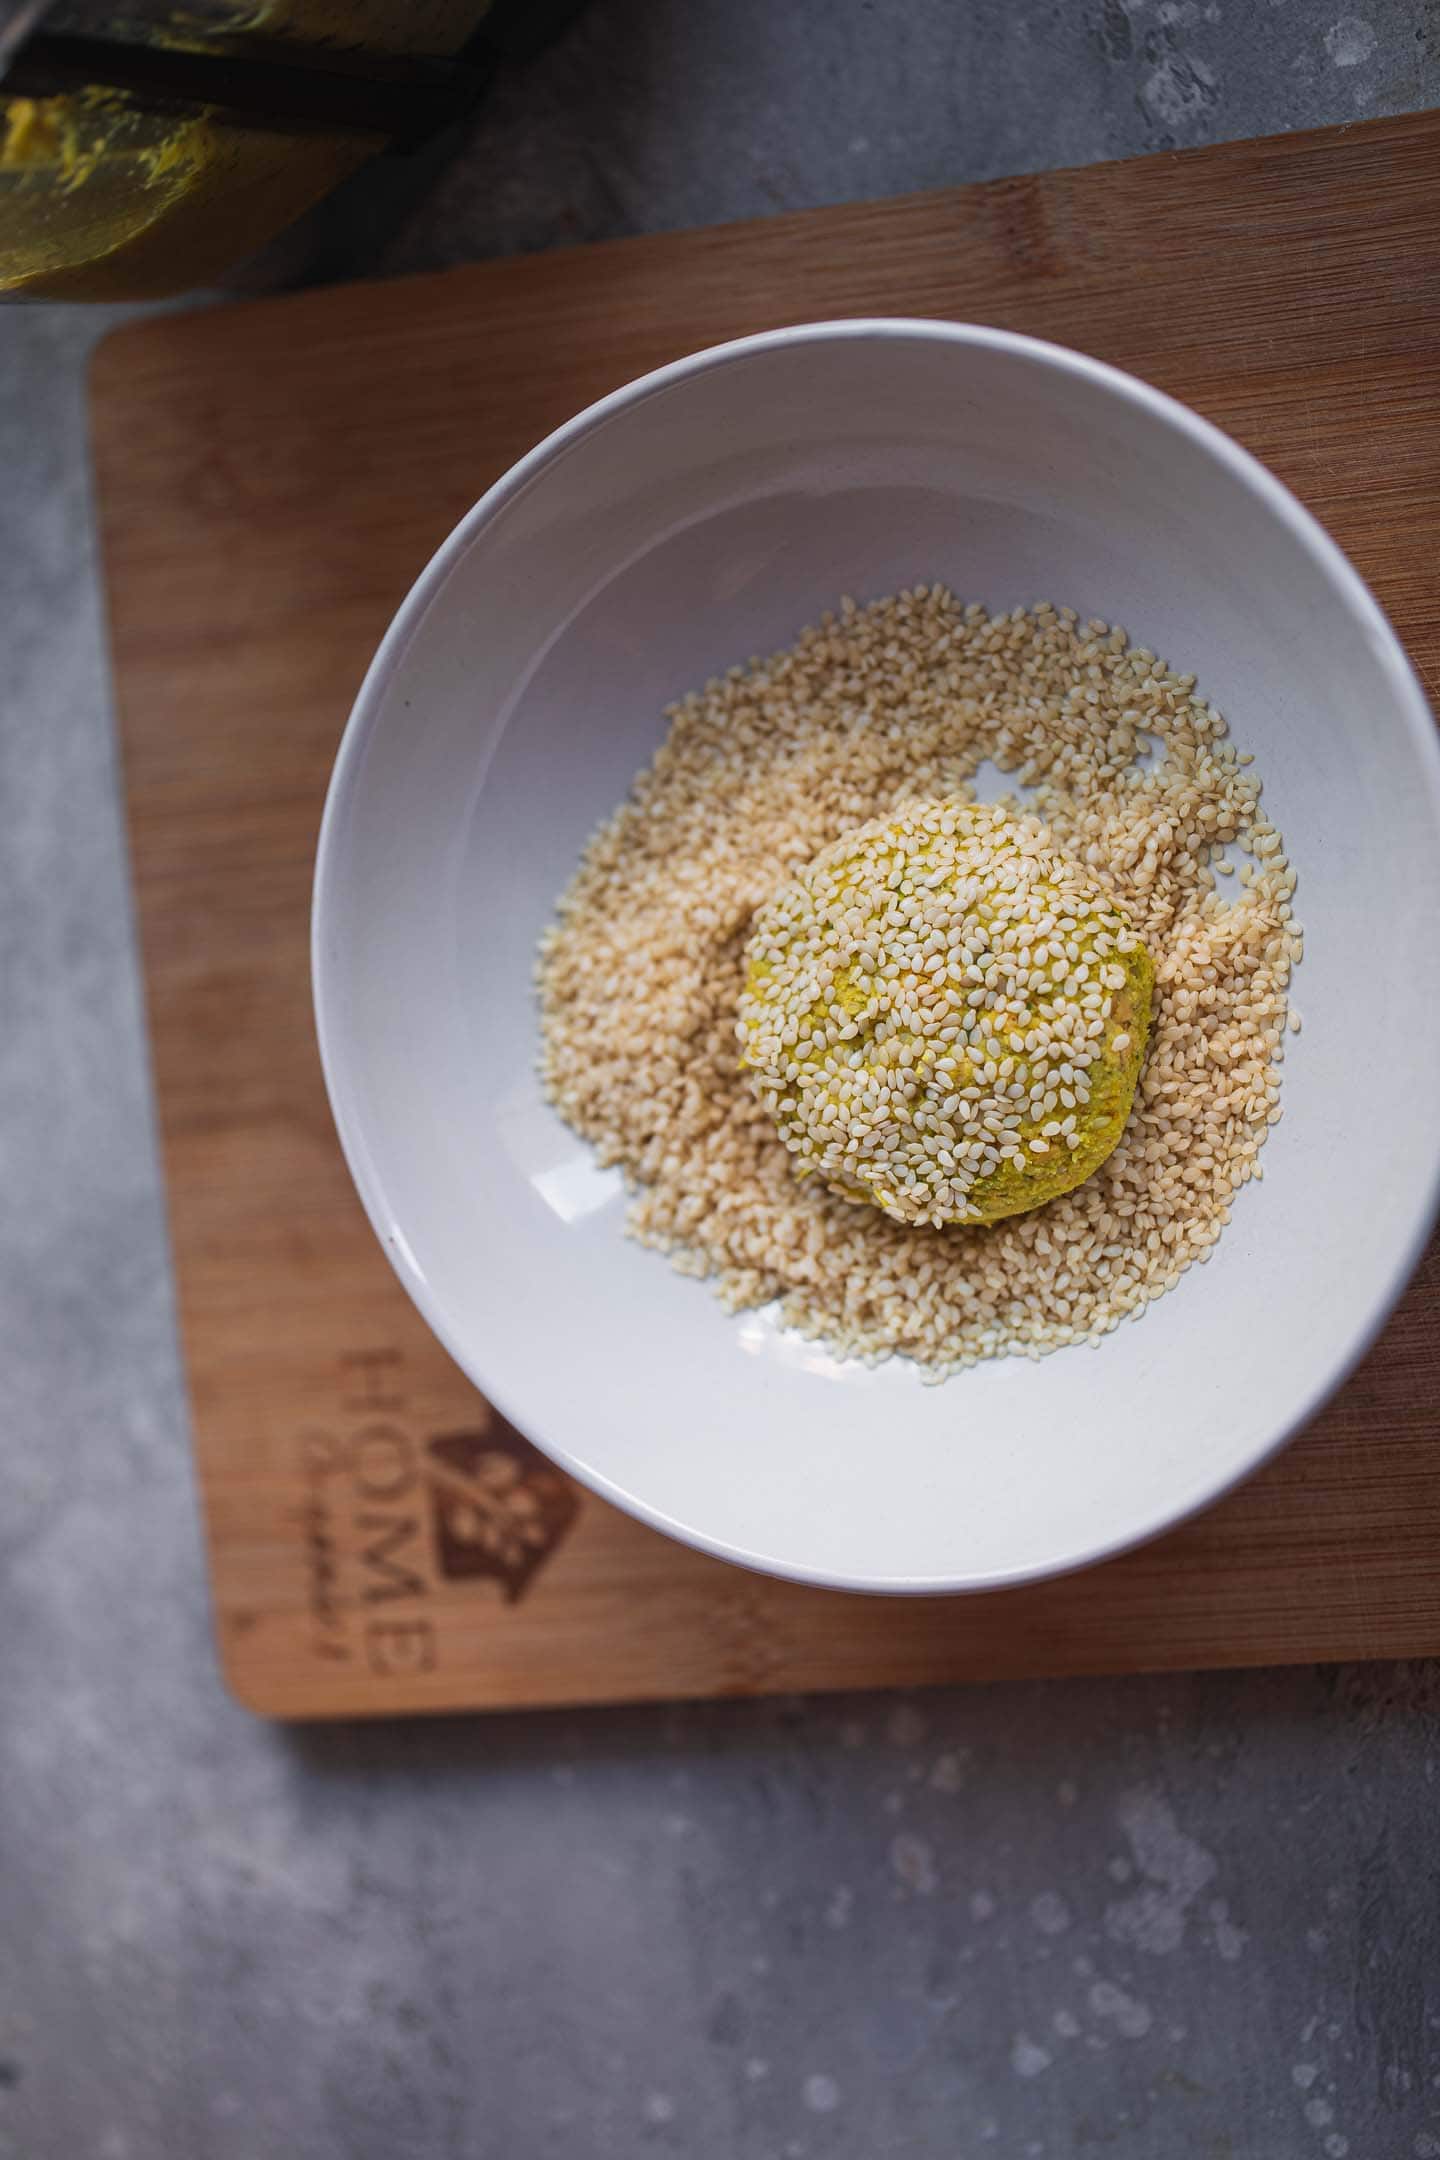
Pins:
x,y
946,1016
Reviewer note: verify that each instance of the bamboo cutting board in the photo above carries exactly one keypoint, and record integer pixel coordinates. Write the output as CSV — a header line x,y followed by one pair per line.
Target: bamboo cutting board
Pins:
x,y
271,477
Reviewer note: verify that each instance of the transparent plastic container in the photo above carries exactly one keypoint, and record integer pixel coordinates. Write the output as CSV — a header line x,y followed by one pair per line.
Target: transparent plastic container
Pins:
x,y
108,194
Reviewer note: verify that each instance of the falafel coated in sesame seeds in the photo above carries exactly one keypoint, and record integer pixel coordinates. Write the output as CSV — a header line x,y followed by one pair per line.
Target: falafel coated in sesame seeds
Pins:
x,y
945,1016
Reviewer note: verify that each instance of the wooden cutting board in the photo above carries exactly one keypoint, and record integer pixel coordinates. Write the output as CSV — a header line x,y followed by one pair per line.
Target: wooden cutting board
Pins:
x,y
271,477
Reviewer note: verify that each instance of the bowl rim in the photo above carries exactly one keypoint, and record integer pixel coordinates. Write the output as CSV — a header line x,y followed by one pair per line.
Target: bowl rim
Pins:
x,y
1305,529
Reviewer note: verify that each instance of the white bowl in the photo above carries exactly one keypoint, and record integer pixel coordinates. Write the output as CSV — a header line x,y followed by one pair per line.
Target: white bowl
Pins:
x,y
708,512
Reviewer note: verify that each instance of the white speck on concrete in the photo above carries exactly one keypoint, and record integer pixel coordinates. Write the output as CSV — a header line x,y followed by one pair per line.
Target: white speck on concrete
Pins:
x,y
659,2108
1230,1939
1337,2146
1066,2024
1350,42
1175,1868
1027,2058
948,1772
893,1803
840,1907
1316,1941
821,2093
760,1964
913,1861
1050,1913
906,1727
756,2069
1319,2113
1130,2017
677,1825
982,1905
1119,1869
1304,2074
1426,2146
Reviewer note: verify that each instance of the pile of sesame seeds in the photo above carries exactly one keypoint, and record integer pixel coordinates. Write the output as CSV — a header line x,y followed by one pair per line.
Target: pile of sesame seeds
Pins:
x,y
940,1012
872,710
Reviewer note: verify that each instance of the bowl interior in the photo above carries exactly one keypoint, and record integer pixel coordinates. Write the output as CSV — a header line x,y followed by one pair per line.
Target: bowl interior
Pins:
x,y
707,517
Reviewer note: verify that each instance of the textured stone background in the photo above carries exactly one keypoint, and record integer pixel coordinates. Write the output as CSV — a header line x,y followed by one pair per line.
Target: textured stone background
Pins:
x,y
1138,1919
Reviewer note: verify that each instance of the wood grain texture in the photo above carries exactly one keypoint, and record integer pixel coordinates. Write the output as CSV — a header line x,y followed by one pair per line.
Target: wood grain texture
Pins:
x,y
270,479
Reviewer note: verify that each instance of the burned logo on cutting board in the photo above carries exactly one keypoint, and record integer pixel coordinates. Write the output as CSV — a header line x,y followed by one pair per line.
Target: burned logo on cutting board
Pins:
x,y
388,1516
498,1509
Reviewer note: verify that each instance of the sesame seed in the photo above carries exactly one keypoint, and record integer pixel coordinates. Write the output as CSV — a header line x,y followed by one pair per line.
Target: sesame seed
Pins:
x,y
866,717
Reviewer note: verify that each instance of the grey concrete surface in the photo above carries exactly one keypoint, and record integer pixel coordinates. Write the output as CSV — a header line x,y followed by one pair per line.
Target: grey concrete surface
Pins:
x,y
1132,1919
653,114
